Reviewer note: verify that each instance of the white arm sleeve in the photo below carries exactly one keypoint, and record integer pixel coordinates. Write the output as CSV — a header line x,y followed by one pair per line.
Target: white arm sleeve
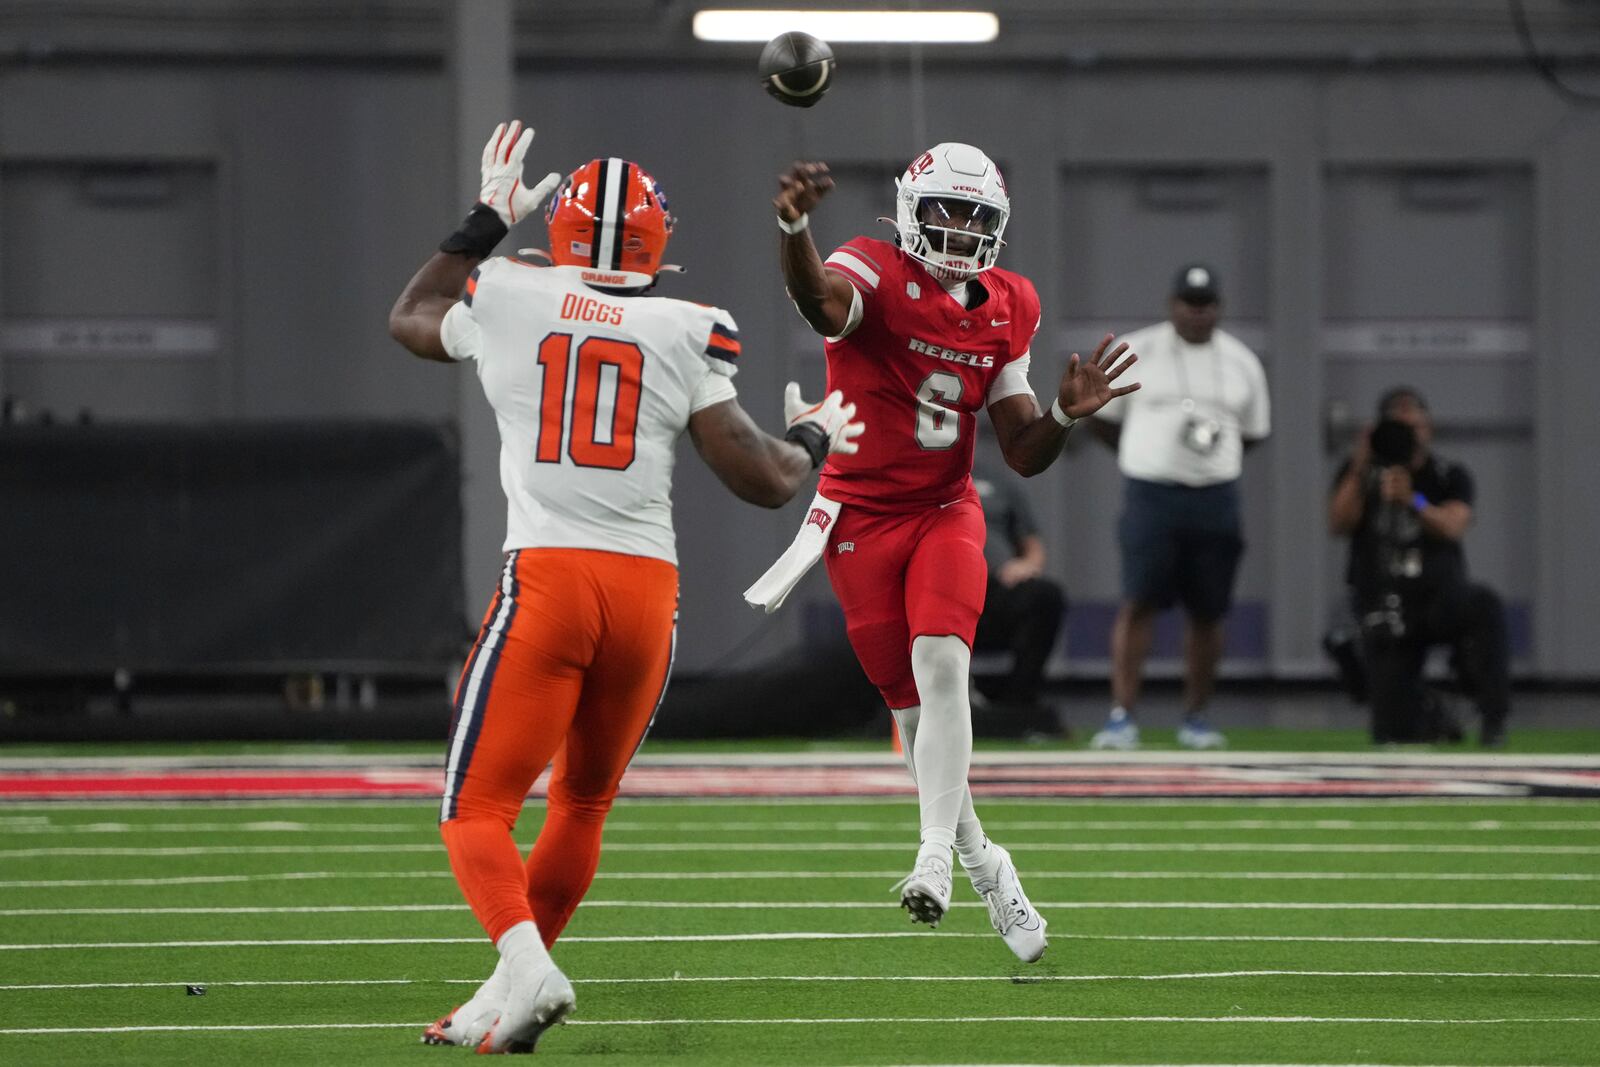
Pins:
x,y
713,389
459,333
1012,379
853,318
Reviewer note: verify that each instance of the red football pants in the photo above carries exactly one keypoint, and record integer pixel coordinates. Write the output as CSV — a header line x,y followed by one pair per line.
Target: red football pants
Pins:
x,y
903,575
570,664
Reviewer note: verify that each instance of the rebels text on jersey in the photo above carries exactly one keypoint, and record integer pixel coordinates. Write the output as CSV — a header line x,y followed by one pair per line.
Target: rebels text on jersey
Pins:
x,y
919,367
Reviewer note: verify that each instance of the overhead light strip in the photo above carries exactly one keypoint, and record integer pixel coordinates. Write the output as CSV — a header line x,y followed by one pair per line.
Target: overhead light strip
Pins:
x,y
898,27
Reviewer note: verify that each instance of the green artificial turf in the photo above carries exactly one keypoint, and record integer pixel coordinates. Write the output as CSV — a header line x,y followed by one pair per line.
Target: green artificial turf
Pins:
x,y
1129,978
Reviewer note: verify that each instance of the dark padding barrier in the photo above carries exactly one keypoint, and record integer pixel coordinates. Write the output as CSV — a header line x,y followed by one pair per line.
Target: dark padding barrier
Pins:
x,y
230,547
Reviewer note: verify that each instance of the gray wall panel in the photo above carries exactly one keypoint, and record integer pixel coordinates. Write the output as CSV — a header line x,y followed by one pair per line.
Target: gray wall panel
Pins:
x,y
335,182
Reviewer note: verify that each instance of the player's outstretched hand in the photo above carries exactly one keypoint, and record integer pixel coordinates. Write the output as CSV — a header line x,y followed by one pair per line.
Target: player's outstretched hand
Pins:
x,y
502,187
801,190
1086,386
832,418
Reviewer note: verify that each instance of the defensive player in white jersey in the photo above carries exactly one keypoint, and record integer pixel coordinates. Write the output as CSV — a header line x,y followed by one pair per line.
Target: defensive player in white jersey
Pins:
x,y
592,382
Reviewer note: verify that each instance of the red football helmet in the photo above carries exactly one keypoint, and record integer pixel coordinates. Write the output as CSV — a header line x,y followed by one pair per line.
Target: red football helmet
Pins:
x,y
610,218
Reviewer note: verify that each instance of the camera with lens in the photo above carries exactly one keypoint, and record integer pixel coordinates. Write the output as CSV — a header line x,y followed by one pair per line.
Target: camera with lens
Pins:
x,y
1201,434
1399,534
1393,443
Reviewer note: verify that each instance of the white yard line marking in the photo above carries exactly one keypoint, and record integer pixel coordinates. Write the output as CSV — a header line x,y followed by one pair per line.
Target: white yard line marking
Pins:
x,y
43,825
1332,940
720,979
788,936
619,939
167,829
849,803
1335,825
810,905
1227,876
763,875
218,879
836,846
872,1020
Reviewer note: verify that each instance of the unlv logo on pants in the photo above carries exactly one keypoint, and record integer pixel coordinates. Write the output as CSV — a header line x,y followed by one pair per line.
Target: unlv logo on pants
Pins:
x,y
820,519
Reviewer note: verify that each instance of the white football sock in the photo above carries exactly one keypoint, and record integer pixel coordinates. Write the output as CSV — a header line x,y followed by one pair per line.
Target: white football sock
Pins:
x,y
972,844
522,949
943,748
493,991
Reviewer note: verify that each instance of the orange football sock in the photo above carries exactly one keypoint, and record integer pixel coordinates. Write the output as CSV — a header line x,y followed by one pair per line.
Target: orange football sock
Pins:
x,y
563,863
488,867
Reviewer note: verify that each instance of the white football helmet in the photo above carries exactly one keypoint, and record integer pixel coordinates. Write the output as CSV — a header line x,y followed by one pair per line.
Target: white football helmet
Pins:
x,y
951,209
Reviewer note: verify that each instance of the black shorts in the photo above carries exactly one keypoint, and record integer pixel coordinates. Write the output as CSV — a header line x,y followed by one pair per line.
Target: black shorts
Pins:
x,y
1180,544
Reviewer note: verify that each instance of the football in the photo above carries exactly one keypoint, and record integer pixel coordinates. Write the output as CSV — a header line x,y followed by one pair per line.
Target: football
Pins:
x,y
796,68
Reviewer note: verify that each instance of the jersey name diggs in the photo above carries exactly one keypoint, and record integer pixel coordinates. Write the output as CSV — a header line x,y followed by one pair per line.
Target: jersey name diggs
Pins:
x,y
972,359
587,309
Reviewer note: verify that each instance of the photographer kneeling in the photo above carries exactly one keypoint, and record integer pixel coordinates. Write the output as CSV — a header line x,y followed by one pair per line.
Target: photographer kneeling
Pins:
x,y
1405,511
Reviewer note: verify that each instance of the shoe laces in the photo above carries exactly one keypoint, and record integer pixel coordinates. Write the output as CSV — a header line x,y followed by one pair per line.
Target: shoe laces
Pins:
x,y
1005,909
927,867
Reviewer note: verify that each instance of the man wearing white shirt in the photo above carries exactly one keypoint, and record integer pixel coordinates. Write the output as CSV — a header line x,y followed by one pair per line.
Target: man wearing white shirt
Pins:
x,y
1180,442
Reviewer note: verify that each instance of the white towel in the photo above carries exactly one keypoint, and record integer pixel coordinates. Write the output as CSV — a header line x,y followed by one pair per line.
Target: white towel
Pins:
x,y
770,590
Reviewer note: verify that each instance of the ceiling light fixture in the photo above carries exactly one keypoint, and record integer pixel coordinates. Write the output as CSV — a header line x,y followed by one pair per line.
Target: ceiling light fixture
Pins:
x,y
900,27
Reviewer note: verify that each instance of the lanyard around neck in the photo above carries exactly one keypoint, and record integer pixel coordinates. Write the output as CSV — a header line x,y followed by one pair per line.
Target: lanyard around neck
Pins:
x,y
1183,371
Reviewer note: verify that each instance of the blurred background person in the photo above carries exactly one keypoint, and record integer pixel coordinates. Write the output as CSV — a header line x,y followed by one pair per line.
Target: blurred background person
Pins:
x,y
1180,443
1023,609
1405,511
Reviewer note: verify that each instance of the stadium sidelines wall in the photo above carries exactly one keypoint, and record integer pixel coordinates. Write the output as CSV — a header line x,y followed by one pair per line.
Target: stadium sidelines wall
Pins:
x,y
1435,227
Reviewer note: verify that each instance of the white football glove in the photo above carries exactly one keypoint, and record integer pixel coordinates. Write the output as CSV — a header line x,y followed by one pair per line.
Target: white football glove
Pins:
x,y
831,417
502,175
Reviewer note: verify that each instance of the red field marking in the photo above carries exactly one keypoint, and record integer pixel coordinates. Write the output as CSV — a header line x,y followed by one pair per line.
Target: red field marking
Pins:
x,y
284,780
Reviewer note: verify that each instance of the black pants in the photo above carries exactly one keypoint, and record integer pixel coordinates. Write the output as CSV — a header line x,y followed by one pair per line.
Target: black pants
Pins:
x,y
1025,619
1471,620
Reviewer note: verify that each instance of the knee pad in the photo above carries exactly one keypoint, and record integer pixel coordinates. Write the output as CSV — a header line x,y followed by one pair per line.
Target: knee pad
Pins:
x,y
941,665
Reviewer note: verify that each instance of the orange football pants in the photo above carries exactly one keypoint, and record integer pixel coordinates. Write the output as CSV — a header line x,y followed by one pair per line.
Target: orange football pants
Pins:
x,y
570,664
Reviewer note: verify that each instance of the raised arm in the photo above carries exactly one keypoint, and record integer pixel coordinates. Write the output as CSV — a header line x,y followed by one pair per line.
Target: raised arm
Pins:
x,y
503,201
415,318
766,470
1347,502
1030,440
822,296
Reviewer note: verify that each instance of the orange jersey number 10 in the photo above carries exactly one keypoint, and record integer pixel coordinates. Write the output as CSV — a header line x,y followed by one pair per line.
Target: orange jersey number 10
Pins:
x,y
605,400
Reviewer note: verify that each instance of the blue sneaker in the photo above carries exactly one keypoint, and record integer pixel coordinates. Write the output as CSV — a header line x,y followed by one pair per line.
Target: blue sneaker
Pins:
x,y
1198,734
1120,732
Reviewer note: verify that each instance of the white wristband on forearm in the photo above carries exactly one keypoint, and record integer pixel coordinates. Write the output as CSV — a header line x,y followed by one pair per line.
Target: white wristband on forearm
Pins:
x,y
1066,421
796,226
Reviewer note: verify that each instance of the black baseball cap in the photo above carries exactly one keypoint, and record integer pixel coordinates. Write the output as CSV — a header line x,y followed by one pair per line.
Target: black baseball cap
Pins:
x,y
1196,283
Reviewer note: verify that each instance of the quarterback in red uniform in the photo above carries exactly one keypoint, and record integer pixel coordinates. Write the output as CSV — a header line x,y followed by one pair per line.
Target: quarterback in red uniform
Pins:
x,y
923,334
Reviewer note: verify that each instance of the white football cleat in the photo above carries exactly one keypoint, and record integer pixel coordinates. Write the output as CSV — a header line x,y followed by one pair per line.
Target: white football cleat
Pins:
x,y
1198,734
1121,734
925,892
1011,914
468,1024
539,999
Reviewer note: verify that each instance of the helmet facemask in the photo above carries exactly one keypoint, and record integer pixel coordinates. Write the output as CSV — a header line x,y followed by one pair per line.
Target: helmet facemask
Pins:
x,y
951,210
